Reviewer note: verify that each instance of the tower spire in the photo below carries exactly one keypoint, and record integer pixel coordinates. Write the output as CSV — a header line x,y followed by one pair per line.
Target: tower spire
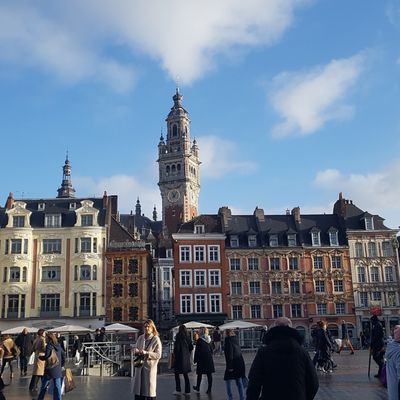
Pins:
x,y
66,190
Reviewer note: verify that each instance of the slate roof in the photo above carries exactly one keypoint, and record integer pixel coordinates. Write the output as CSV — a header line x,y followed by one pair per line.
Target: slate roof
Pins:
x,y
211,223
56,206
147,228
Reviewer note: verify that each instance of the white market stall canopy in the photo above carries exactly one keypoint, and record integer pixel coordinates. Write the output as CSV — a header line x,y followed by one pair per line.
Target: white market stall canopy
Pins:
x,y
71,329
239,325
18,329
120,328
193,325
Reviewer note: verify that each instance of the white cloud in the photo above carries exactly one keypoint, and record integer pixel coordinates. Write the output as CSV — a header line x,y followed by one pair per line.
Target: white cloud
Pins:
x,y
128,189
377,192
220,157
70,39
307,100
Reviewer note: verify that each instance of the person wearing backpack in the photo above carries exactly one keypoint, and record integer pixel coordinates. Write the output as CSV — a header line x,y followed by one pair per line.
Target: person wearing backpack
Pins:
x,y
54,361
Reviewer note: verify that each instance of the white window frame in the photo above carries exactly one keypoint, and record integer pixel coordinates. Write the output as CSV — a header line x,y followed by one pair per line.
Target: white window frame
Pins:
x,y
255,289
273,240
235,315
234,241
341,309
318,262
186,273
204,303
184,251
387,249
322,309
52,221
291,310
361,274
290,287
230,264
200,273
214,253
187,298
238,285
372,249
53,270
215,300
389,273
369,223
275,285
334,238
292,240
375,274
251,265
336,285
277,310
259,312
199,254
318,286
359,249
212,273
199,229
316,238
252,240
364,299
334,264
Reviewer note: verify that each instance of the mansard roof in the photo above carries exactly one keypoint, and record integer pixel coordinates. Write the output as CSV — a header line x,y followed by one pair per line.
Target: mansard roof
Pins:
x,y
56,206
211,223
147,228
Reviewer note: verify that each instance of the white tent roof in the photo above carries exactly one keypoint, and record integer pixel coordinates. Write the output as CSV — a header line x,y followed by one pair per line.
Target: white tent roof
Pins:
x,y
71,328
120,328
194,325
19,329
239,325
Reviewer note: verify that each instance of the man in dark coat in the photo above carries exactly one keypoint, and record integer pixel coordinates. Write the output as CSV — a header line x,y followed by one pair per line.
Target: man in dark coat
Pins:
x,y
183,347
282,369
377,344
24,343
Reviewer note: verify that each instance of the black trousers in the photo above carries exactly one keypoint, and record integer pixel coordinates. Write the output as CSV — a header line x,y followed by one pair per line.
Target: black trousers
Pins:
x,y
23,362
178,382
33,385
209,380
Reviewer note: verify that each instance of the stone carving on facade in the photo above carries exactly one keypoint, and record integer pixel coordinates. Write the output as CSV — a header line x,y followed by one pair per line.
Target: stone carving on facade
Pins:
x,y
14,289
88,256
49,258
87,288
19,257
50,289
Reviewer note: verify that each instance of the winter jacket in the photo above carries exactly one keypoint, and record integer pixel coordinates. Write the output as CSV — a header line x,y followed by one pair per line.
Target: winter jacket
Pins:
x,y
393,369
39,348
145,381
203,357
282,369
235,367
56,370
377,342
182,349
10,350
24,343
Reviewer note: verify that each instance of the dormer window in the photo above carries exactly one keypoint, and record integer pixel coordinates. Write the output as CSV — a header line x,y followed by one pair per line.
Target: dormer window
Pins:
x,y
198,229
18,221
369,223
291,238
87,220
234,241
41,206
315,237
52,221
333,237
273,240
252,239
72,206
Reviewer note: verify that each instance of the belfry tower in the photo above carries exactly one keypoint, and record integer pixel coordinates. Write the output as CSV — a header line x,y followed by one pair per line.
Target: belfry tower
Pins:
x,y
179,177
66,190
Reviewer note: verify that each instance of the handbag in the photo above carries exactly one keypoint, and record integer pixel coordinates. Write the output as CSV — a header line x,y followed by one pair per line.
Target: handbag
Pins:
x,y
171,360
138,361
69,380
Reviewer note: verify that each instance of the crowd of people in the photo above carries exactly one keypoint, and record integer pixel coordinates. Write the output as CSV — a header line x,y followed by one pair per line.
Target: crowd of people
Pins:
x,y
282,367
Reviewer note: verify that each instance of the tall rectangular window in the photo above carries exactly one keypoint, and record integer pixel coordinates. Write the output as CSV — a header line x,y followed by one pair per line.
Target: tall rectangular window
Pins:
x,y
117,266
273,240
52,221
321,309
274,263
336,262
87,220
358,247
293,263
86,244
338,285
50,274
361,274
376,296
214,278
18,221
295,287
234,241
200,278
375,274
296,310
371,249
340,308
50,302
16,246
276,287
200,303
255,287
15,274
117,313
320,286
318,262
185,278
236,288
255,311
184,254
186,303
364,299
213,253
234,264
133,289
389,277
237,312
253,264
215,303
333,238
133,313
387,249
133,266
277,310
199,253
291,240
252,241
315,239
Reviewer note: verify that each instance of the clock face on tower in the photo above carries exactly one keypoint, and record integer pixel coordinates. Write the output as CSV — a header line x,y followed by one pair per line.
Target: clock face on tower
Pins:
x,y
173,195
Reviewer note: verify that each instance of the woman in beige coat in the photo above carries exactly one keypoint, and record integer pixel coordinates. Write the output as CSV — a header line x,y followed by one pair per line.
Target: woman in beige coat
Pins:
x,y
39,348
148,346
10,352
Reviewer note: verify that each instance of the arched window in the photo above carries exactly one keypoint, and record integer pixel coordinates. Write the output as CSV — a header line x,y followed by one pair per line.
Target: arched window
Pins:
x,y
173,169
167,170
178,168
174,131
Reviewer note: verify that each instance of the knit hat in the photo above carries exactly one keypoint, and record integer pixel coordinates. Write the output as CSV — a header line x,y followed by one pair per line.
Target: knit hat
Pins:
x,y
396,333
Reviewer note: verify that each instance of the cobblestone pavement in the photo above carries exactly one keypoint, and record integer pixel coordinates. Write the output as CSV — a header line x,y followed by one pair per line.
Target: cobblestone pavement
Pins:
x,y
349,381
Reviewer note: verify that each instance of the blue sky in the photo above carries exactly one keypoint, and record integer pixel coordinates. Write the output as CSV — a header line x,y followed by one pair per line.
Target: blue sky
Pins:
x,y
291,101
